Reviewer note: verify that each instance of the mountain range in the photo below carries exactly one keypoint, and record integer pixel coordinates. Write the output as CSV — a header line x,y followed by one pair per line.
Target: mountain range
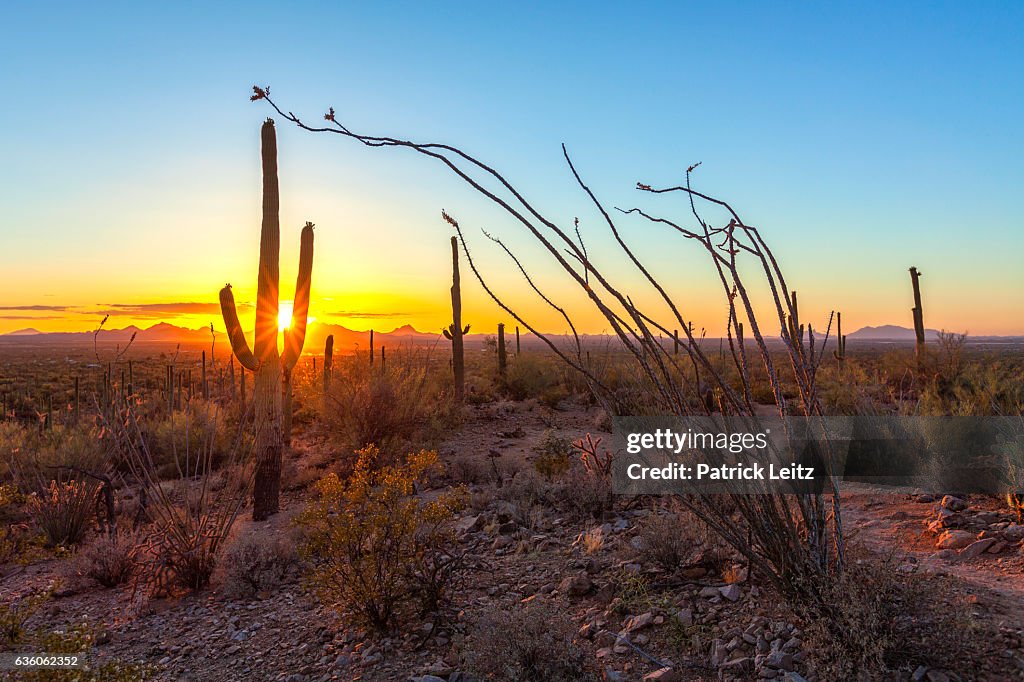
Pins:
x,y
348,339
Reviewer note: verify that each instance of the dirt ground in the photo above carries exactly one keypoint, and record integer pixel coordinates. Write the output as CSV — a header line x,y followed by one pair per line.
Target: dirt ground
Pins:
x,y
289,636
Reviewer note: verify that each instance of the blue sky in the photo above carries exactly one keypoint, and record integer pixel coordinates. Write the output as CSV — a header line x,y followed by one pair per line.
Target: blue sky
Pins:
x,y
861,138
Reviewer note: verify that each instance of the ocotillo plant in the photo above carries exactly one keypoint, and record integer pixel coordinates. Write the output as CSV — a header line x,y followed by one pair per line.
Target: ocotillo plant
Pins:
x,y
264,359
502,359
455,330
840,352
915,276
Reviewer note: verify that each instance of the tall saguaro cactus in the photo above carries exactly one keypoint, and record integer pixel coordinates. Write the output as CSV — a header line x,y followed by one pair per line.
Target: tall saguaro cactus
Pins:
x,y
455,330
270,366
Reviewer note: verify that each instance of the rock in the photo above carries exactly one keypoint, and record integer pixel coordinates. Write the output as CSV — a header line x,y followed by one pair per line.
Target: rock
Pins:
x,y
502,541
954,539
709,592
508,528
953,503
576,585
611,675
1014,532
469,523
635,623
731,592
427,678
924,498
662,675
977,548
936,676
794,676
779,660
997,547
684,617
742,663
919,674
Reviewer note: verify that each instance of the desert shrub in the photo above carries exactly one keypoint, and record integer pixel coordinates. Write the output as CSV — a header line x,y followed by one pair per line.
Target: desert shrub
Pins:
x,y
194,512
63,511
589,486
534,642
375,547
110,560
394,409
534,376
254,564
666,542
882,617
202,429
554,455
588,495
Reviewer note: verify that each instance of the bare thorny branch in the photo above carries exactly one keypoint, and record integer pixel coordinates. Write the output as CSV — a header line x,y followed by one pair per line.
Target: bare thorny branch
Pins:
x,y
788,537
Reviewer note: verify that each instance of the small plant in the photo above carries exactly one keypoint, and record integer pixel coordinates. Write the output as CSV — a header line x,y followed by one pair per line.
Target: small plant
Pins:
x,y
376,547
595,462
15,614
665,542
532,643
554,456
63,511
253,565
110,560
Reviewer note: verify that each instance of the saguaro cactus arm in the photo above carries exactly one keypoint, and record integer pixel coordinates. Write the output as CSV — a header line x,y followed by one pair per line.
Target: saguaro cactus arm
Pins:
x,y
296,336
239,346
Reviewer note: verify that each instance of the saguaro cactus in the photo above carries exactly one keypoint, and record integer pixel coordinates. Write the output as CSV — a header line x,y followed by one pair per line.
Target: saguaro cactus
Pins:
x,y
502,358
915,277
264,360
840,352
328,363
455,330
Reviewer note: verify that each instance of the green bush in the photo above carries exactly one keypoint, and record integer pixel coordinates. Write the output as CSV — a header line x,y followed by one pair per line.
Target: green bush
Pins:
x,y
374,546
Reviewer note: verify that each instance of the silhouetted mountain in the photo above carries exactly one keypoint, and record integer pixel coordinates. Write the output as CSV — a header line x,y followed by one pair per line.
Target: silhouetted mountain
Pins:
x,y
160,332
890,332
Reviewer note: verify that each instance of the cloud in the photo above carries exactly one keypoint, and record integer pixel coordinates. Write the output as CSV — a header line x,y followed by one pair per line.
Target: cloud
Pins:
x,y
30,317
48,308
158,311
365,315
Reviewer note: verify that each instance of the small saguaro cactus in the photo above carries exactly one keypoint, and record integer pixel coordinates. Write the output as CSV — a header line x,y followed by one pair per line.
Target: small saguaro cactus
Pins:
x,y
840,352
915,277
796,330
502,358
371,346
455,330
328,362
270,366
517,340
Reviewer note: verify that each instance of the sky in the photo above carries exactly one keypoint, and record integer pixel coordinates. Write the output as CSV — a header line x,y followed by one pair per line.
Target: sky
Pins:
x,y
860,138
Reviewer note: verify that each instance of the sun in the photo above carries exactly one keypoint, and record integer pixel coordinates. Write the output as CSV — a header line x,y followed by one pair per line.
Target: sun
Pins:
x,y
284,315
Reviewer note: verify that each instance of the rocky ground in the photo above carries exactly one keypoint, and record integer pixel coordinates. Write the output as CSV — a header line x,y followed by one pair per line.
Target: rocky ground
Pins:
x,y
634,621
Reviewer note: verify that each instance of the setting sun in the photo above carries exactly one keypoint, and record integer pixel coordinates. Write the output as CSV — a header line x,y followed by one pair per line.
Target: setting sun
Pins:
x,y
284,315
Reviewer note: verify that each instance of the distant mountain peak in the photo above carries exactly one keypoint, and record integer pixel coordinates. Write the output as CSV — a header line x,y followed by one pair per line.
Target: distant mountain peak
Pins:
x,y
891,332
28,331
